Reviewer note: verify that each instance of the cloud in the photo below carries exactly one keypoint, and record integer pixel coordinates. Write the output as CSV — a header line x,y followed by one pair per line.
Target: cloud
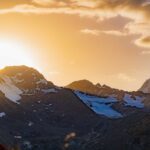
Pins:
x,y
125,77
32,9
49,2
114,32
85,3
44,2
143,41
109,32
138,11
89,31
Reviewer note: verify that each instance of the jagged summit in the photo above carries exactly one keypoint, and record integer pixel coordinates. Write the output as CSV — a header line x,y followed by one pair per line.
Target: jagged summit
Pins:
x,y
88,87
100,90
85,86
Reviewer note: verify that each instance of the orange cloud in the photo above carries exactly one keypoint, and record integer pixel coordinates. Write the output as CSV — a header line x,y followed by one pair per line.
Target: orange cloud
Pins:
x,y
143,41
89,31
50,2
136,10
109,32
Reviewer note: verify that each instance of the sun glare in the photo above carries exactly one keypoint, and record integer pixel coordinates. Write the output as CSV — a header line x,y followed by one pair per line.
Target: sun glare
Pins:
x,y
14,53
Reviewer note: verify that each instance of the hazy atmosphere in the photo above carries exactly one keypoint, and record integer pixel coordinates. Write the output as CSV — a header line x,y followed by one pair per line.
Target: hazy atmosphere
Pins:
x,y
105,41
74,74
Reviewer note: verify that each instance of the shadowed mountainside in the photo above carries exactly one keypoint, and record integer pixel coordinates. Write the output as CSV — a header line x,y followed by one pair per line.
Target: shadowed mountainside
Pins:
x,y
37,115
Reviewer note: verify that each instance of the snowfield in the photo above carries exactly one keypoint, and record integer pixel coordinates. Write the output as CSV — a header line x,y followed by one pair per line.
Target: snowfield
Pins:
x,y
137,102
2,114
101,106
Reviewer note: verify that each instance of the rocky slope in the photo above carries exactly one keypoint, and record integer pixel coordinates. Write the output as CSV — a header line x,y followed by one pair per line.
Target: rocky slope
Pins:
x,y
145,87
37,115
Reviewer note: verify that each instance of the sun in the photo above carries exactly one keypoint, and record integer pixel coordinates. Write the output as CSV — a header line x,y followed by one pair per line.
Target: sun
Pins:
x,y
13,52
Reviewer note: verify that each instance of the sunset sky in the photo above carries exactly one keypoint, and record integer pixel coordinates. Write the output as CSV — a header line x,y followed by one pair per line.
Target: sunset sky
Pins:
x,y
105,41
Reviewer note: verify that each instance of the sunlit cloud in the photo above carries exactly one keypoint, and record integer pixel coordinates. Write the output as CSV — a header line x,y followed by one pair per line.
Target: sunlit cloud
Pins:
x,y
138,11
143,42
89,31
50,2
109,32
85,3
44,2
114,32
74,3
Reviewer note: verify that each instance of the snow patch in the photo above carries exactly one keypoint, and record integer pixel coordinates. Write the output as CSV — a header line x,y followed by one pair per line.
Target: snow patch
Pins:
x,y
52,90
101,106
42,81
30,124
27,144
106,110
2,114
17,80
137,102
39,102
9,89
18,137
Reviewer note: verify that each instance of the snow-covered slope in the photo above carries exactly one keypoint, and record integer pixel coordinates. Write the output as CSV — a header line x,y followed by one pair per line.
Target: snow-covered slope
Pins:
x,y
134,102
22,80
105,105
9,89
101,106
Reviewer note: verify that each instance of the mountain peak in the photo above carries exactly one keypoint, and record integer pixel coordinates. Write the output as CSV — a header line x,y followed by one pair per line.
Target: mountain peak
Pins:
x,y
24,77
98,85
80,85
13,70
145,87
88,87
18,80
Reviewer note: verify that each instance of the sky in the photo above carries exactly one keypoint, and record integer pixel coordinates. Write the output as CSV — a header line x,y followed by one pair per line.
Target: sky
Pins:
x,y
104,41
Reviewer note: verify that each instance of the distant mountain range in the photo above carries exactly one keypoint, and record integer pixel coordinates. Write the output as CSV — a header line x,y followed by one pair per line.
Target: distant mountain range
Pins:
x,y
101,90
35,114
